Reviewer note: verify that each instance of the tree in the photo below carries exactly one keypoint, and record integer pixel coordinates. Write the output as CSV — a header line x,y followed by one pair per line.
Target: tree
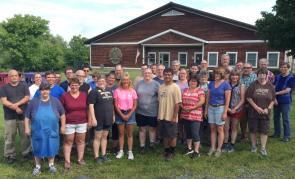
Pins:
x,y
28,45
77,51
278,26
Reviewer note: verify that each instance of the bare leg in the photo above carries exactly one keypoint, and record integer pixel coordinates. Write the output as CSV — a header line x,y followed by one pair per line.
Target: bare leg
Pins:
x,y
80,142
253,139
197,146
263,139
152,134
38,161
172,142
234,130
220,131
104,141
228,122
68,143
189,143
121,128
96,143
130,136
142,136
213,136
51,160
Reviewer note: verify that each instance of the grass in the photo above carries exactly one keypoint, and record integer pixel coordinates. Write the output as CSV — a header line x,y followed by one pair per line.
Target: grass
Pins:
x,y
241,164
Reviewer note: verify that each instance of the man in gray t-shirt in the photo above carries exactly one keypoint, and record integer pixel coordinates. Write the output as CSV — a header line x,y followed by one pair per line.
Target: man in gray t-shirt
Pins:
x,y
14,97
147,98
147,107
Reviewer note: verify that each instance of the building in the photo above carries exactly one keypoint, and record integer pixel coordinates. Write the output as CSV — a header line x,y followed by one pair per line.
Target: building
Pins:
x,y
177,32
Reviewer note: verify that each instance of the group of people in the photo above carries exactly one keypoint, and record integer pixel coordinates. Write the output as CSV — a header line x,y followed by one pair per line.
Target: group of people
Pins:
x,y
167,103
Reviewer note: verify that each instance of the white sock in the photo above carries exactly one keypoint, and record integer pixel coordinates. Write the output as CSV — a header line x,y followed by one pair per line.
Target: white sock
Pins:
x,y
38,166
51,164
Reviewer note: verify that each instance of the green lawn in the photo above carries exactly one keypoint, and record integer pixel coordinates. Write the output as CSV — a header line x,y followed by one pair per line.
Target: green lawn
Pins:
x,y
241,164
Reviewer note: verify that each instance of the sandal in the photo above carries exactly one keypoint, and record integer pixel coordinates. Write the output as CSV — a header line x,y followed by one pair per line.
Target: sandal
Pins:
x,y
81,162
67,165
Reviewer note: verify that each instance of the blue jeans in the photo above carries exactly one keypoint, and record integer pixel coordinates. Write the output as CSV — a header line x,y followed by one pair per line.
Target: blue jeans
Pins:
x,y
283,109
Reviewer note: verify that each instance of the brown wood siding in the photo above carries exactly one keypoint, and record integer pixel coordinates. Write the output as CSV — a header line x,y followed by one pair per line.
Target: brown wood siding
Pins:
x,y
100,53
195,25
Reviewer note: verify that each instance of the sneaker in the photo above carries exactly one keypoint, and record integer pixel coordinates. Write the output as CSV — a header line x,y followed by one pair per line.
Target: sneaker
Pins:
x,y
225,147
130,155
142,150
168,156
188,151
52,169
263,152
286,139
275,136
36,171
217,153
105,158
10,160
99,160
120,154
230,148
152,146
254,149
114,150
211,152
28,156
195,155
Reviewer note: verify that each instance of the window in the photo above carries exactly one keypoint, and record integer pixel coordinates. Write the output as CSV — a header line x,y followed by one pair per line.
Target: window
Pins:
x,y
164,58
182,58
198,56
212,59
233,56
273,59
152,58
252,57
173,13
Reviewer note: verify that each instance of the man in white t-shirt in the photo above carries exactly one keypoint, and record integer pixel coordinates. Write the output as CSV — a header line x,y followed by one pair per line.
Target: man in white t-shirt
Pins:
x,y
34,87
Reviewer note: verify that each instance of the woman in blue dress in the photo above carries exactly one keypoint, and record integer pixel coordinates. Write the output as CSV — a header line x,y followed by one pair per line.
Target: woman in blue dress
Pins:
x,y
42,123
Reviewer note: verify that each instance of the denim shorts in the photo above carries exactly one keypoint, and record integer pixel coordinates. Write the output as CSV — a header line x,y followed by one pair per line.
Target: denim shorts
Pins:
x,y
131,120
76,128
215,114
102,128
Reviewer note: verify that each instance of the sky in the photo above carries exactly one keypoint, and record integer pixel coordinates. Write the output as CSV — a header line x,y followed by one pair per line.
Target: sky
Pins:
x,y
93,17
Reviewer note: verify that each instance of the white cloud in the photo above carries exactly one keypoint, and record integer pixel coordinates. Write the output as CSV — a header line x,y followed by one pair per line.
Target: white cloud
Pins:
x,y
92,17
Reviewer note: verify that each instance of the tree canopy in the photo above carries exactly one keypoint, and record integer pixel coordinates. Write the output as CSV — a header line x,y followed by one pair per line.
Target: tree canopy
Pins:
x,y
278,26
26,44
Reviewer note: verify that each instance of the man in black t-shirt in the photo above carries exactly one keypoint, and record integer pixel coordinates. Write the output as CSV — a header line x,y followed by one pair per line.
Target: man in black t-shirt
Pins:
x,y
14,97
69,72
84,87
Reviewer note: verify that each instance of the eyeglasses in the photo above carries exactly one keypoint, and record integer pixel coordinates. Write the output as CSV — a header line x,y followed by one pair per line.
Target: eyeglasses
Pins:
x,y
247,67
86,70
